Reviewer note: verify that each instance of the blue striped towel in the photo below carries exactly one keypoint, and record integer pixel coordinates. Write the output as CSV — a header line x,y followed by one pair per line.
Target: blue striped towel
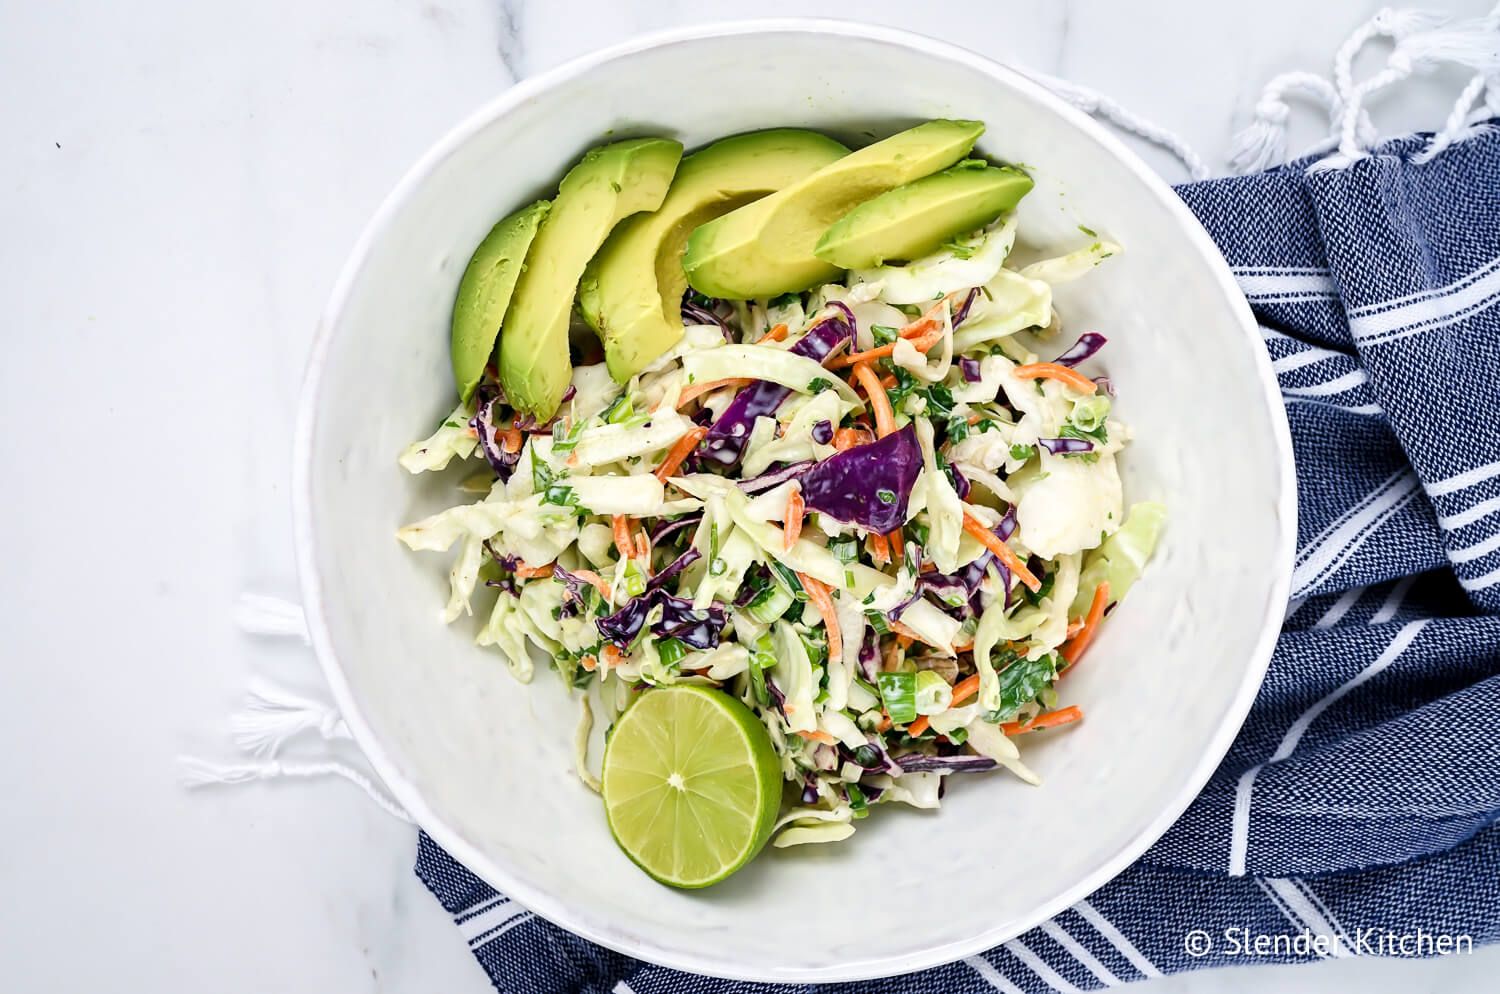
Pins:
x,y
1355,814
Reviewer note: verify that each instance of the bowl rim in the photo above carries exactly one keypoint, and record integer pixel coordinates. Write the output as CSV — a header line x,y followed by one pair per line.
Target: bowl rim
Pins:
x,y
555,908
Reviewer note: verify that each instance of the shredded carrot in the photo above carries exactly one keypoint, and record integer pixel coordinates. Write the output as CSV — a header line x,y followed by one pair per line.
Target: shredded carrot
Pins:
x,y
923,336
524,572
1074,627
848,438
679,452
1073,648
965,689
693,391
923,333
643,546
513,439
819,736
905,638
1052,371
1003,552
818,593
589,663
594,580
890,656
897,541
611,655
776,334
974,418
880,549
918,727
885,723
624,543
794,510
885,418
1062,716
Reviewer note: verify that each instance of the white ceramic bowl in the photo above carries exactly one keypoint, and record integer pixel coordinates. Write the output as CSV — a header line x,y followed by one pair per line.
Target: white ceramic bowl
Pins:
x,y
485,764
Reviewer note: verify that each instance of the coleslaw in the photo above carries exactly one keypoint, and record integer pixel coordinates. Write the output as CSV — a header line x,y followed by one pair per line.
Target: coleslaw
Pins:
x,y
873,511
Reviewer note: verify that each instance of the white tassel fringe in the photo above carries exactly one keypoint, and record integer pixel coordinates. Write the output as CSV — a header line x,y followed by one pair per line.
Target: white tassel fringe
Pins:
x,y
272,715
202,773
259,614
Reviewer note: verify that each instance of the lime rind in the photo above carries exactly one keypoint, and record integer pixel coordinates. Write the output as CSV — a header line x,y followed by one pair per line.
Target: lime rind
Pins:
x,y
691,785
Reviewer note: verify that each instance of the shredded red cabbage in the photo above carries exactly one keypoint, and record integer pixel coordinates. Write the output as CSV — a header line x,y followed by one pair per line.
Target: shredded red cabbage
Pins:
x,y
726,440
916,762
1088,343
822,432
696,313
488,433
963,309
1106,384
1062,446
699,629
867,485
869,656
960,482
774,477
970,369
666,528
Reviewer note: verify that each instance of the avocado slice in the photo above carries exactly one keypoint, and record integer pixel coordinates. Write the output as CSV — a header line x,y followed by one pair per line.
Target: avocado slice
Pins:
x,y
631,292
484,293
913,220
766,248
610,183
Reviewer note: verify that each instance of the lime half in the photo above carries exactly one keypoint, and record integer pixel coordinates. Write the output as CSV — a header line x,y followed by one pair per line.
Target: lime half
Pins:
x,y
691,785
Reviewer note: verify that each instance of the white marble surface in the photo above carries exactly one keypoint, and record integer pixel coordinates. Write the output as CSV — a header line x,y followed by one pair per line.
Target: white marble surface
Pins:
x,y
179,184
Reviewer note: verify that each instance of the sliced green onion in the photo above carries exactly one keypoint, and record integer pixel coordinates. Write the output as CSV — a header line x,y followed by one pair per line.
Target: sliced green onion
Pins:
x,y
671,651
898,692
1090,412
635,582
933,694
770,604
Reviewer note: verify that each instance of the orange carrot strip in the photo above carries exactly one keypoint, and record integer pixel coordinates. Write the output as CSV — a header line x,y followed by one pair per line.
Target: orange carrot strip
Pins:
x,y
589,663
1062,374
679,452
880,549
693,391
524,572
897,541
819,736
1062,716
885,418
848,438
818,593
965,689
1073,648
776,334
624,543
594,580
885,723
794,511
923,333
962,691
1003,552
610,656
923,336
905,637
512,440
643,545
